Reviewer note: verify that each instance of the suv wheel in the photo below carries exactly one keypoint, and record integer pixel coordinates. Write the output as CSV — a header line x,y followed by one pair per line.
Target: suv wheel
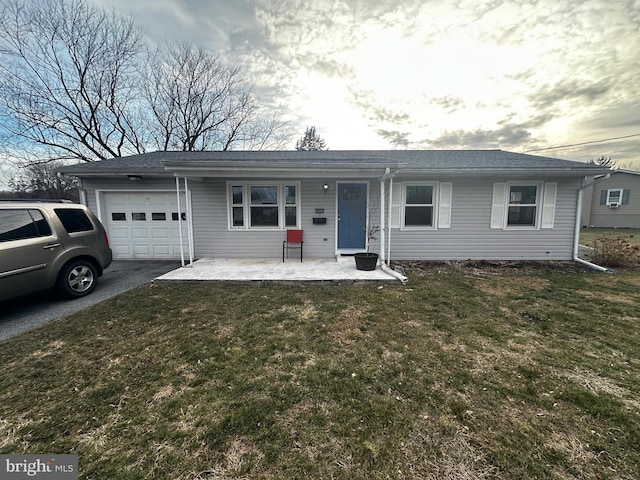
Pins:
x,y
77,279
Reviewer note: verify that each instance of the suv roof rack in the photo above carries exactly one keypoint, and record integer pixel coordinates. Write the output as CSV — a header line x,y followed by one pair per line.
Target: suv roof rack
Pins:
x,y
37,200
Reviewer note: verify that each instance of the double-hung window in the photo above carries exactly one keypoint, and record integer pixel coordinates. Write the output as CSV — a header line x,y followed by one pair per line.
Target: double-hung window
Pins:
x,y
614,197
263,205
273,205
523,205
418,206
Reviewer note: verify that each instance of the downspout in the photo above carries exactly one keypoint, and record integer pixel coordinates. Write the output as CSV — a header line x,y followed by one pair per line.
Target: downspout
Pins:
x,y
389,219
384,247
382,218
189,221
576,235
180,222
386,269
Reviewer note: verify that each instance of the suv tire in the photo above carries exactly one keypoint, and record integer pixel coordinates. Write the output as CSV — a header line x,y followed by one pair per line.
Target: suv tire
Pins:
x,y
77,279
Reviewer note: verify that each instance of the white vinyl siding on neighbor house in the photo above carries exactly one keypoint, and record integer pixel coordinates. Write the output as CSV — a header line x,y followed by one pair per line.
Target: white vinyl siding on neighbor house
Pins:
x,y
263,205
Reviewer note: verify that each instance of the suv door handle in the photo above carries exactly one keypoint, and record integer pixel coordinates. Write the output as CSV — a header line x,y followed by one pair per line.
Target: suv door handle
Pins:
x,y
51,245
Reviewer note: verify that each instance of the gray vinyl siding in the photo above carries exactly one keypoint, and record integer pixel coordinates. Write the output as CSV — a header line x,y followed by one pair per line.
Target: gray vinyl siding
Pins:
x,y
470,237
625,216
214,238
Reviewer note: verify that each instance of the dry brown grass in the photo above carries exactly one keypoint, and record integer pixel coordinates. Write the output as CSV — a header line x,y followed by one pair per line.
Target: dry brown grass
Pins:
x,y
467,372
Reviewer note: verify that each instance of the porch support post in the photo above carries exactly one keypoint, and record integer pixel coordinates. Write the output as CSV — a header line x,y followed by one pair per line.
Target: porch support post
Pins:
x,y
180,222
187,200
382,221
385,214
389,218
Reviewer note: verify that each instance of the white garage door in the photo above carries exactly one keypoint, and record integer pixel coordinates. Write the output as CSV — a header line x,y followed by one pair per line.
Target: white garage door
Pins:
x,y
144,224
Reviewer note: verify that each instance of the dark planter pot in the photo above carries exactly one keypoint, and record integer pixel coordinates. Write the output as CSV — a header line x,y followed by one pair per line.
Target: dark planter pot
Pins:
x,y
366,261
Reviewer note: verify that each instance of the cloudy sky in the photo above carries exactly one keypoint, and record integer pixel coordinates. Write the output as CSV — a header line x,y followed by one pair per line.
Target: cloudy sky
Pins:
x,y
518,75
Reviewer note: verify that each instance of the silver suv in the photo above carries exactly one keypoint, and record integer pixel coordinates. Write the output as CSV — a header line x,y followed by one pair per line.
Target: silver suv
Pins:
x,y
48,244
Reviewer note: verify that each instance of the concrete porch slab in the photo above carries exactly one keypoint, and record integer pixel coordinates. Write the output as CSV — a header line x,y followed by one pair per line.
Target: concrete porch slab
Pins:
x,y
253,269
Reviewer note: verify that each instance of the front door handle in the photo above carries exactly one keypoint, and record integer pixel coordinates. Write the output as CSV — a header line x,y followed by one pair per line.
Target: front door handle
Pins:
x,y
51,245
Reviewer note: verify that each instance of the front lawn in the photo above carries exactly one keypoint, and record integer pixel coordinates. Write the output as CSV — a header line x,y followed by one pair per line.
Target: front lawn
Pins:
x,y
589,235
464,373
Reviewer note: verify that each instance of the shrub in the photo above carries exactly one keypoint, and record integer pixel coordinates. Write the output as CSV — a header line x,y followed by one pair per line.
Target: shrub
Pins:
x,y
615,251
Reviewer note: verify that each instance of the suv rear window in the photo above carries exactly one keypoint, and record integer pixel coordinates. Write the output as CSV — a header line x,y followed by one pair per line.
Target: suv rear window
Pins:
x,y
74,220
19,224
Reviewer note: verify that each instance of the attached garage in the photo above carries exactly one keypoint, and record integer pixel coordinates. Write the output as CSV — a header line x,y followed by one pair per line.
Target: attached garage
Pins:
x,y
143,224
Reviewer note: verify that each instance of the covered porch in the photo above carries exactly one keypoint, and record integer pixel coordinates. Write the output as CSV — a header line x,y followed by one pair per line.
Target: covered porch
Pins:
x,y
339,269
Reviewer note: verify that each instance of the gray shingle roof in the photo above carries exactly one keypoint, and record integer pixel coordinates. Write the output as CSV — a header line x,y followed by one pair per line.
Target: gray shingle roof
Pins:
x,y
451,160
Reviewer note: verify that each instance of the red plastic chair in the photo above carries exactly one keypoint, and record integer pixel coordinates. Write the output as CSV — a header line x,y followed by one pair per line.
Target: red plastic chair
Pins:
x,y
294,240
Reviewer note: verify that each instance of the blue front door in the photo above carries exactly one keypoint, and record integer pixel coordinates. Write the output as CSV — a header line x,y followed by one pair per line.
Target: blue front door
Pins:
x,y
352,215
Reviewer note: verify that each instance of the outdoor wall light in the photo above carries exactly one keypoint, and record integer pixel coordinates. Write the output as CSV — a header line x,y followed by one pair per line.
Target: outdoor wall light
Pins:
x,y
325,188
134,178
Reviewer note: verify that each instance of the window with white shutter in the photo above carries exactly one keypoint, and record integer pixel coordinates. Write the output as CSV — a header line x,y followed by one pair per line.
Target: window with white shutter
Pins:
x,y
523,205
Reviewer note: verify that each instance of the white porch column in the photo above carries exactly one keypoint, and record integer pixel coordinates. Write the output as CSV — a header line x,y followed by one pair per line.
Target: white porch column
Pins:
x,y
389,222
180,222
382,221
187,199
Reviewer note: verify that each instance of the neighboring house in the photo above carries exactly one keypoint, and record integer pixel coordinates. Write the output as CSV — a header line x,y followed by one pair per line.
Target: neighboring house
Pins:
x,y
613,202
429,205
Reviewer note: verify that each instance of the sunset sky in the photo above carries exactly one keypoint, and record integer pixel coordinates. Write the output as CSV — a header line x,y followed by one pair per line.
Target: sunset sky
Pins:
x,y
516,75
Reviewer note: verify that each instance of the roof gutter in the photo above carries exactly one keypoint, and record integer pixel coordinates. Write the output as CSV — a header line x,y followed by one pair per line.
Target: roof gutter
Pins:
x,y
574,172
576,236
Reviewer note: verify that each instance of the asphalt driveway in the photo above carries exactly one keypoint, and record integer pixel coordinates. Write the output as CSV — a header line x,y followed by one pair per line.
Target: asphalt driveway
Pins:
x,y
24,314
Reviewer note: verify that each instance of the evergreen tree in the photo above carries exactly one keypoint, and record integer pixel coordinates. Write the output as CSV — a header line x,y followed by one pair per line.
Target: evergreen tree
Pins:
x,y
311,141
604,161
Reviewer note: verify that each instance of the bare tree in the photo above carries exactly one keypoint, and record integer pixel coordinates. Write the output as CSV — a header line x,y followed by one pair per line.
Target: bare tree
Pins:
x,y
68,80
72,87
199,103
40,180
629,165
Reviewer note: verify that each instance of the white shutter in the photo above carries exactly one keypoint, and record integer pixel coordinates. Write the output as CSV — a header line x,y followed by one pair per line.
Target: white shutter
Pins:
x,y
549,204
444,208
498,205
396,196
